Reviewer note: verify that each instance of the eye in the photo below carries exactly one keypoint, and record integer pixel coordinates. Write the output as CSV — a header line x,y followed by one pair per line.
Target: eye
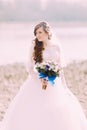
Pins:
x,y
40,32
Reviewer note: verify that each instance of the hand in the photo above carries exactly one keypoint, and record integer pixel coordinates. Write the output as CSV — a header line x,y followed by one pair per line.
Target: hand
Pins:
x,y
44,83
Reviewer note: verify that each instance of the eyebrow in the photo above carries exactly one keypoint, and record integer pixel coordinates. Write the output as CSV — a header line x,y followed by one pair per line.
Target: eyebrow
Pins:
x,y
38,31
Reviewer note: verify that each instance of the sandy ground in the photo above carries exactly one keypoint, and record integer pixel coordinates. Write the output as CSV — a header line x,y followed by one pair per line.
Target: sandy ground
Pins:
x,y
13,76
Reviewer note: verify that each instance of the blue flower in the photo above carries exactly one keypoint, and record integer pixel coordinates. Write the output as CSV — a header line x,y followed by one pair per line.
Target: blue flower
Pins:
x,y
51,79
47,67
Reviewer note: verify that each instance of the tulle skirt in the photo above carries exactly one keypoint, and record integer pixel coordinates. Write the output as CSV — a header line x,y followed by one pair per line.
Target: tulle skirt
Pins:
x,y
33,108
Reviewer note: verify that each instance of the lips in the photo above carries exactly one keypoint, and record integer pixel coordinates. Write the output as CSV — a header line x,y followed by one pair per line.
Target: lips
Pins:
x,y
39,39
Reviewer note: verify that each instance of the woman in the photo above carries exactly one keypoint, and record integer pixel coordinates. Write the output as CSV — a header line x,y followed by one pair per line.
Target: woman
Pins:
x,y
43,103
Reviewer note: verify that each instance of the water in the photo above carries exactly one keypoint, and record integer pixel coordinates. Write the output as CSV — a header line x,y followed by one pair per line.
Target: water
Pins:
x,y
15,39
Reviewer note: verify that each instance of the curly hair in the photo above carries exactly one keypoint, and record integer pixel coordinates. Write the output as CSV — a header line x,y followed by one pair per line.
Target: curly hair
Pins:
x,y
39,46
38,49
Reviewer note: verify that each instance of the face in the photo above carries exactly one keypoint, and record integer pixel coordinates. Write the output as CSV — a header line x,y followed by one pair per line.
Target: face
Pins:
x,y
41,35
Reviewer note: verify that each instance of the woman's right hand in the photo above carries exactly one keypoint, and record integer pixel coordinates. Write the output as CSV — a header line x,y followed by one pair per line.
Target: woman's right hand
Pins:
x,y
44,83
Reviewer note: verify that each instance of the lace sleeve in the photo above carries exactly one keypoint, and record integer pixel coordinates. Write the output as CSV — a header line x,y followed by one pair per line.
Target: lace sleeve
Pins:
x,y
62,63
60,57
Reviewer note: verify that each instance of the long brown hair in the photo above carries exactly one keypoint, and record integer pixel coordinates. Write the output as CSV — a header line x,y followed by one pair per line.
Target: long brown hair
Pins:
x,y
39,46
38,49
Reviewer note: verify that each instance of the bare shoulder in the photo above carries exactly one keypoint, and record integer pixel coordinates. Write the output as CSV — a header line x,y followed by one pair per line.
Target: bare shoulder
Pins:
x,y
33,42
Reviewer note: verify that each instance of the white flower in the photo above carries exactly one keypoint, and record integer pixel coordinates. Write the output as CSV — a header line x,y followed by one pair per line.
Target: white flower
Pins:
x,y
35,70
50,65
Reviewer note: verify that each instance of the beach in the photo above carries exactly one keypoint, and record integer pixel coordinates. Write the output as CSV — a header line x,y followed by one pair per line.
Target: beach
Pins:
x,y
12,76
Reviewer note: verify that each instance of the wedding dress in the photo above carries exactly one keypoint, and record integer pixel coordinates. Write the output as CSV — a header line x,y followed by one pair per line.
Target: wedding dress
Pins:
x,y
55,108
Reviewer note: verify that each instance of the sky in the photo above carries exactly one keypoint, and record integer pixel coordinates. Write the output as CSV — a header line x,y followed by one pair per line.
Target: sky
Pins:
x,y
8,0
82,2
45,2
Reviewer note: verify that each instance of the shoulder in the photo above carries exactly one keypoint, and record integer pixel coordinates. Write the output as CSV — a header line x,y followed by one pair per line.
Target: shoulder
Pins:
x,y
57,48
32,44
33,41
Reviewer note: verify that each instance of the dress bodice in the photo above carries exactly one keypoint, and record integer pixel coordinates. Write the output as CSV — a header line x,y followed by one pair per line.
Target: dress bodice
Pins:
x,y
51,53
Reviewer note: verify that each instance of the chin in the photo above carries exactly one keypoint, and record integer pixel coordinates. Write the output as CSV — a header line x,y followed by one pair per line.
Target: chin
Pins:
x,y
40,40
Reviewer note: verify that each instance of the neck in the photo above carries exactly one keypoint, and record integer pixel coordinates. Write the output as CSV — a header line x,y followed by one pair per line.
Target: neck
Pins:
x,y
46,43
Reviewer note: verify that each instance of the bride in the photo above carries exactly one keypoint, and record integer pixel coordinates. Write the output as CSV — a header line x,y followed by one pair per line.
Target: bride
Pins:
x,y
43,103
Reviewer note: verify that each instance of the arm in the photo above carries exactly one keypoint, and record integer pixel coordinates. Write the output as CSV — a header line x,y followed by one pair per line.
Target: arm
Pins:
x,y
63,78
61,64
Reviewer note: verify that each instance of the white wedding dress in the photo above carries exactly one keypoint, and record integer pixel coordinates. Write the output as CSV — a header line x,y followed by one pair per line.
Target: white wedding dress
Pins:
x,y
55,108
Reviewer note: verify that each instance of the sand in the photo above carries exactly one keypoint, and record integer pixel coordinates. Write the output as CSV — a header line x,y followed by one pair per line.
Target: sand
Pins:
x,y
13,76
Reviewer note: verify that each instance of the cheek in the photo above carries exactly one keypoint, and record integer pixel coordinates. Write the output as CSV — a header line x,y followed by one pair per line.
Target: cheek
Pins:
x,y
45,36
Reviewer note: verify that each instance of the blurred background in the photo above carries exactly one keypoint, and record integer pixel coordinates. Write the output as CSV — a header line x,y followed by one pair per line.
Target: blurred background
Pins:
x,y
68,18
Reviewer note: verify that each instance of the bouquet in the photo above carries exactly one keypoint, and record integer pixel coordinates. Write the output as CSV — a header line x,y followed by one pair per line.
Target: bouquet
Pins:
x,y
48,71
